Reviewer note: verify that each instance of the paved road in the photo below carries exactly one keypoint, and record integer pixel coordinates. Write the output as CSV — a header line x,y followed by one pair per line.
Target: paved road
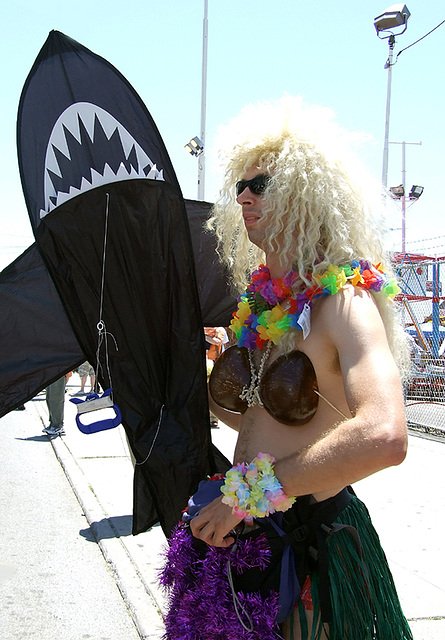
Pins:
x,y
54,582
44,535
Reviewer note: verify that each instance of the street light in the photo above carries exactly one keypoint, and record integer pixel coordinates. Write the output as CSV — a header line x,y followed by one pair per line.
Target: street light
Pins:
x,y
397,192
416,192
194,146
395,17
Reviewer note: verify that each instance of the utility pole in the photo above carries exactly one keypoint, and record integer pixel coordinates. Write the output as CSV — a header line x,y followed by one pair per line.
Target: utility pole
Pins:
x,y
404,143
201,158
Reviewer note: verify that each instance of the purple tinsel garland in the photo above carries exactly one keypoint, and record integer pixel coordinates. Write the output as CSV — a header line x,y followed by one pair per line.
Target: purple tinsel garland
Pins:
x,y
200,599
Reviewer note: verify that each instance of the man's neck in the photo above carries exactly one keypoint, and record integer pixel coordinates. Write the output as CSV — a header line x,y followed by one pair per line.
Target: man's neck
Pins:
x,y
275,267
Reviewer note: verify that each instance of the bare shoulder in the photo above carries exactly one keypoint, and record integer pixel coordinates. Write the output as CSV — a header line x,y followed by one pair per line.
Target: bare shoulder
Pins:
x,y
350,326
351,315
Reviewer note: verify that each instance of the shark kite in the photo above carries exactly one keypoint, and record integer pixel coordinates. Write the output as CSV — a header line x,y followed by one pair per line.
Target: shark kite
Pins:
x,y
114,261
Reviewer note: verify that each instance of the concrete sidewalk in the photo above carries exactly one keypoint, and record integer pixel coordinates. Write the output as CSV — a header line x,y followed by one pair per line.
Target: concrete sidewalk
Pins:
x,y
406,504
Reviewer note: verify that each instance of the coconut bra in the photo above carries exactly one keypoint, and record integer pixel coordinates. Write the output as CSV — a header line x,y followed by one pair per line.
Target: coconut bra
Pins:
x,y
287,388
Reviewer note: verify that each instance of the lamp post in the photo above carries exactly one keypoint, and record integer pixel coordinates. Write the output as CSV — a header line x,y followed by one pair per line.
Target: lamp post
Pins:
x,y
400,191
201,159
395,17
391,42
196,146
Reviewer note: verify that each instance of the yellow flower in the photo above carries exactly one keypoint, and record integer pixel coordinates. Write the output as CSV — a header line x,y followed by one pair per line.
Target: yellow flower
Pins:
x,y
356,278
275,314
274,333
262,332
269,320
379,267
243,311
341,279
333,269
240,316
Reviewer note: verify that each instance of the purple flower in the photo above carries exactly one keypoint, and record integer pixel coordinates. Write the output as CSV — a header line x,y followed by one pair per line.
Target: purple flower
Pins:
x,y
377,284
268,293
250,341
301,300
252,321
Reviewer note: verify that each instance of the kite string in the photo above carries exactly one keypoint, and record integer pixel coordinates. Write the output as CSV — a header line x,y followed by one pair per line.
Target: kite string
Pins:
x,y
101,328
154,439
103,333
104,254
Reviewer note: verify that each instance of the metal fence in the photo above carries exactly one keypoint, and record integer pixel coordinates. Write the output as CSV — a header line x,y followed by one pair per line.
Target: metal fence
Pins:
x,y
423,315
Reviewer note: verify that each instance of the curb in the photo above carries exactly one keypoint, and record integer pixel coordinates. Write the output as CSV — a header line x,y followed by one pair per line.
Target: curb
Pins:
x,y
137,595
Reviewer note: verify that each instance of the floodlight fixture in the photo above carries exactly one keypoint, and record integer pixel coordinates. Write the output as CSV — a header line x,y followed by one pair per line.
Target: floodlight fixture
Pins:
x,y
416,192
397,192
395,17
194,146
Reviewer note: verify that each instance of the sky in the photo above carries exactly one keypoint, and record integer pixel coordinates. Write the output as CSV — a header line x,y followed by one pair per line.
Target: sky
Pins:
x,y
327,52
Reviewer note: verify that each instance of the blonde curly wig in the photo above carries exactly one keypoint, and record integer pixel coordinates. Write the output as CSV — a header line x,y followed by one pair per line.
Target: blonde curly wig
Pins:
x,y
321,205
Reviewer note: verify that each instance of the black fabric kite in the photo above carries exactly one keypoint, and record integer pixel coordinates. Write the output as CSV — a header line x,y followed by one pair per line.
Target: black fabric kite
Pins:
x,y
113,244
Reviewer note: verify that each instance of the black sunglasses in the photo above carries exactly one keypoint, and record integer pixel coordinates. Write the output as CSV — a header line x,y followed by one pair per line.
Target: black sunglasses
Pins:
x,y
257,185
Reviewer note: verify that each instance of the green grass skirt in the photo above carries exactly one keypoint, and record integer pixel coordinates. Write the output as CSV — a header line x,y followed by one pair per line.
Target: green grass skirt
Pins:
x,y
364,600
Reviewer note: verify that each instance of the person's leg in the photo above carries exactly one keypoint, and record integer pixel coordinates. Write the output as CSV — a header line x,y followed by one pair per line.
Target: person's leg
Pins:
x,y
299,626
83,381
55,399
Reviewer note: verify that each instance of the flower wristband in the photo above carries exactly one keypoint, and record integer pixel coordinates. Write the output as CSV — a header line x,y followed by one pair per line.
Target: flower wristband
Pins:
x,y
253,491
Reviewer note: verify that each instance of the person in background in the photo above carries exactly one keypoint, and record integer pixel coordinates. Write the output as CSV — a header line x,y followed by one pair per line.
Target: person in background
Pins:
x,y
84,371
216,338
55,400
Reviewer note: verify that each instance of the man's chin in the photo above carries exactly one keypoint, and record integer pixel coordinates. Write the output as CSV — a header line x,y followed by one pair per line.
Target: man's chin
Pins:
x,y
255,238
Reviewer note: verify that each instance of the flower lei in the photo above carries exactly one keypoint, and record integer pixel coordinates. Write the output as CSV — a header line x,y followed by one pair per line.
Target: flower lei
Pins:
x,y
253,491
260,315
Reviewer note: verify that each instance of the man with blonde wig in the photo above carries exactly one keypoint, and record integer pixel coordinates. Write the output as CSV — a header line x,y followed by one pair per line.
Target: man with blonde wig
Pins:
x,y
280,546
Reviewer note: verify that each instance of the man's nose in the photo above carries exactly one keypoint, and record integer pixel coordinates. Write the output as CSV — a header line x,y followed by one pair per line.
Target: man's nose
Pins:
x,y
246,195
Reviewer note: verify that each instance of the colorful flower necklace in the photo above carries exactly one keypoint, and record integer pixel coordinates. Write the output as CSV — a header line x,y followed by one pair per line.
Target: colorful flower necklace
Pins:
x,y
261,316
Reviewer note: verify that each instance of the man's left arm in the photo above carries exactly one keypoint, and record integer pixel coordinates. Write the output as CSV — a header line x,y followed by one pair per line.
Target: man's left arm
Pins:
x,y
376,435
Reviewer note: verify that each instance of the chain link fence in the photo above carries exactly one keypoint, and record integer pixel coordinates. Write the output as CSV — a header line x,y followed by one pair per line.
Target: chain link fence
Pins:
x,y
423,316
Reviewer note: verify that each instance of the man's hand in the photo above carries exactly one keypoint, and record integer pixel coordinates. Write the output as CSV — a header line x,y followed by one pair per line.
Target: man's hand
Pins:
x,y
214,523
